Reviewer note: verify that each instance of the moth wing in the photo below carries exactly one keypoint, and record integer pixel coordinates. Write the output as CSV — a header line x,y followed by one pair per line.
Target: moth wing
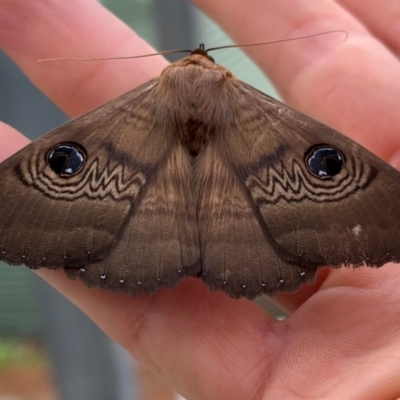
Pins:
x,y
237,254
350,217
48,220
159,245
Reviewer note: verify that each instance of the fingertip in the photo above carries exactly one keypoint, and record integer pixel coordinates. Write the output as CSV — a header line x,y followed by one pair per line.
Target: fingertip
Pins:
x,y
395,160
11,141
30,31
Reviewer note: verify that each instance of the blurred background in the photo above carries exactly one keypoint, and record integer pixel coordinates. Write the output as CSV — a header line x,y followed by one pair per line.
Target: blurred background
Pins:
x,y
49,350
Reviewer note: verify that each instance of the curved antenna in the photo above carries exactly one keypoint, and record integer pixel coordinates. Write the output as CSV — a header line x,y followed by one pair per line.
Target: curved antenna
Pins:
x,y
117,58
201,47
231,46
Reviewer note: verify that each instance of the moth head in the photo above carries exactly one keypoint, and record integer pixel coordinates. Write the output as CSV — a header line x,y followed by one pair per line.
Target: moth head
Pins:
x,y
324,161
66,159
203,52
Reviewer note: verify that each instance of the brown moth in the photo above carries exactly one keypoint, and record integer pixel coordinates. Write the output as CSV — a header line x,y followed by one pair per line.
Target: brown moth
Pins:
x,y
196,173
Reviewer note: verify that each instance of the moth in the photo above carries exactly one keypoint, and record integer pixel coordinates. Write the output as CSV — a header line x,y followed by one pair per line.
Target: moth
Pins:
x,y
196,173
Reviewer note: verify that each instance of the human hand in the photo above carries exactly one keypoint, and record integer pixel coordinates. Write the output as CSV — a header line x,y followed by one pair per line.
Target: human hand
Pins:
x,y
342,339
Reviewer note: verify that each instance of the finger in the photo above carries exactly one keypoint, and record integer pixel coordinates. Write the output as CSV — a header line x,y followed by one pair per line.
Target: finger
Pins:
x,y
208,346
11,141
31,30
380,17
204,344
353,86
336,332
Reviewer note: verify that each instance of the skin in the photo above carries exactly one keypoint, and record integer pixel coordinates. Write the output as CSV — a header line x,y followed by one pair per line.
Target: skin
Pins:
x,y
342,339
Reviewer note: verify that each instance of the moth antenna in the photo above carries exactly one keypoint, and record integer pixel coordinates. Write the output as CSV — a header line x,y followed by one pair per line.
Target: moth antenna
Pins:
x,y
201,47
117,58
276,41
